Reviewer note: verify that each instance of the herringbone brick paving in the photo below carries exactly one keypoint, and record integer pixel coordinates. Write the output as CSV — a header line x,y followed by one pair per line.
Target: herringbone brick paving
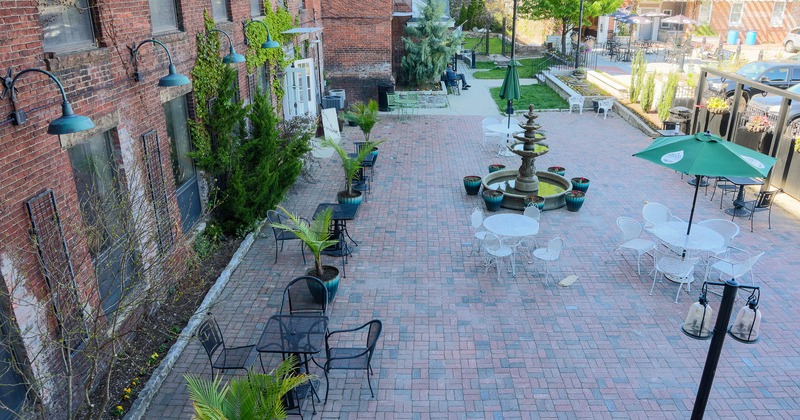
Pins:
x,y
458,344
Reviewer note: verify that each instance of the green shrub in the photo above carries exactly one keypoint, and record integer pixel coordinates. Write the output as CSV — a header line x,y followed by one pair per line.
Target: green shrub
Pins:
x,y
638,71
705,30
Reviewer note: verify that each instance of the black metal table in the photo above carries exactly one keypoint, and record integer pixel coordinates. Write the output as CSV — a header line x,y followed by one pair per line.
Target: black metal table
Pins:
x,y
340,215
301,335
738,202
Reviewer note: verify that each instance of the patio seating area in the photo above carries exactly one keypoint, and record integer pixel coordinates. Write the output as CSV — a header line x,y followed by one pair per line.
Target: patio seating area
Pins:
x,y
457,343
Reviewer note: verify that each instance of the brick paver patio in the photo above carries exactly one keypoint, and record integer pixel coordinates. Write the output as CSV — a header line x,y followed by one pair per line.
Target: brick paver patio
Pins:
x,y
458,344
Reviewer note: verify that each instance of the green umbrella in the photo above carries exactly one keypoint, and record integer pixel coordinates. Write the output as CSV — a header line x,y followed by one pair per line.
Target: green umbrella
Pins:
x,y
703,154
510,88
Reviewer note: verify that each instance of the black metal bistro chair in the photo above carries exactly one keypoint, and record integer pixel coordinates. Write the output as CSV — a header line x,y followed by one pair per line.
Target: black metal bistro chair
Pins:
x,y
351,358
305,295
220,356
282,235
763,202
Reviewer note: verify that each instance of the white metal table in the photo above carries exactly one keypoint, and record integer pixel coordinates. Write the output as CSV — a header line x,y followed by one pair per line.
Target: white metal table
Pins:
x,y
700,238
504,128
511,225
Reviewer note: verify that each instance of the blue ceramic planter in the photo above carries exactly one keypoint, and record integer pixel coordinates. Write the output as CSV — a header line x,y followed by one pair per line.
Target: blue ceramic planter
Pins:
x,y
558,170
343,199
317,293
496,167
472,183
574,200
493,199
580,184
534,200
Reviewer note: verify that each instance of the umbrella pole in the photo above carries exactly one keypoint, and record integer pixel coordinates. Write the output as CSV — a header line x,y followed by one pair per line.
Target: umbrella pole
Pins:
x,y
694,202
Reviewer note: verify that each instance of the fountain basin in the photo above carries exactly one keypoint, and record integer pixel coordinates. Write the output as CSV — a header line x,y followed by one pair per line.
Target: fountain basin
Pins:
x,y
552,188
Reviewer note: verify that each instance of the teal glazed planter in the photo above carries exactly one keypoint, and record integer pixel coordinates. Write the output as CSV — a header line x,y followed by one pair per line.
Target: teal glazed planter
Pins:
x,y
558,170
493,199
580,184
534,200
574,200
317,293
342,198
496,167
472,183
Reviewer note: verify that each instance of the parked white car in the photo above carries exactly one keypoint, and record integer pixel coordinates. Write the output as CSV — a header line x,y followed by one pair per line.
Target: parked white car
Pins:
x,y
791,42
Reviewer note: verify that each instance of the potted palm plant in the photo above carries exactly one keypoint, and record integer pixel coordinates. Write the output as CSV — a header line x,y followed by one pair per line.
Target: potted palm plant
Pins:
x,y
365,116
317,237
257,395
351,164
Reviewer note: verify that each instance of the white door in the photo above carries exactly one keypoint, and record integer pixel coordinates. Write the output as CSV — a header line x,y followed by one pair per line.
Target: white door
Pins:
x,y
300,97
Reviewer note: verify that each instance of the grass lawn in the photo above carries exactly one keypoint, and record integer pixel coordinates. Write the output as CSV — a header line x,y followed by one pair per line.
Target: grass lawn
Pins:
x,y
495,47
541,96
525,69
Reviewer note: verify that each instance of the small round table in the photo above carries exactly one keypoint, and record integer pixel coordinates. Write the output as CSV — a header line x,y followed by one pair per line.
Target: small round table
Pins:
x,y
700,238
511,225
504,128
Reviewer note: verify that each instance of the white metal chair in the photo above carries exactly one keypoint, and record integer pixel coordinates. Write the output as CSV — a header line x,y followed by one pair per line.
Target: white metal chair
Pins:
x,y
533,212
549,254
655,214
680,270
604,105
731,268
528,242
631,239
726,228
578,101
478,232
490,136
496,251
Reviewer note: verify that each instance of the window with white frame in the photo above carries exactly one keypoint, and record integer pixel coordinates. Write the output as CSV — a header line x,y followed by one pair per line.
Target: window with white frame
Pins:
x,y
255,8
67,26
163,16
665,25
735,18
778,8
704,14
219,9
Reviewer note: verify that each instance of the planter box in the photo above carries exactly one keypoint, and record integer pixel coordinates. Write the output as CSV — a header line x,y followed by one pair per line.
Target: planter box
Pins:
x,y
717,124
759,142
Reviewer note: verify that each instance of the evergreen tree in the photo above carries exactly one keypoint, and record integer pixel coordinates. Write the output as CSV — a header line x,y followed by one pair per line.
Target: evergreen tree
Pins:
x,y
648,90
667,96
429,45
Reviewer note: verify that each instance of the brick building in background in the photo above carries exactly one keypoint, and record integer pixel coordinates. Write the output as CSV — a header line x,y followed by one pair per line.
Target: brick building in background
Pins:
x,y
52,269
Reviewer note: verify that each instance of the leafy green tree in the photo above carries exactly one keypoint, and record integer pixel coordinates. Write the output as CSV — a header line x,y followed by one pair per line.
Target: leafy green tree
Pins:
x,y
428,46
566,12
638,72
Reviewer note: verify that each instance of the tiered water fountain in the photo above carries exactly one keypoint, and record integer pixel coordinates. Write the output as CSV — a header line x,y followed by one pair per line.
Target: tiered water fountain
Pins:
x,y
516,184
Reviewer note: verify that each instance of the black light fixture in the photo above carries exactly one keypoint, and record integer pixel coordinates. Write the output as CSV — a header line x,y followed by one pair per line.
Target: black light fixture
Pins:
x,y
269,43
68,123
746,329
173,78
233,56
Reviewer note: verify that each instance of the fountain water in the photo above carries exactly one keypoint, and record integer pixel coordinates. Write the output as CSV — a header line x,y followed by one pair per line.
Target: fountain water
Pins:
x,y
517,184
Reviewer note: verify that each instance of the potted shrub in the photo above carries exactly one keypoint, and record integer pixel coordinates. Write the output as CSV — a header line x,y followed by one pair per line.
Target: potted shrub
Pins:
x,y
754,133
533,200
558,170
718,116
493,199
351,164
317,237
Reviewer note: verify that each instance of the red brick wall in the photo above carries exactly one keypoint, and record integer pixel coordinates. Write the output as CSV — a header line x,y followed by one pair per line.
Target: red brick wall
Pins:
x,y
358,50
97,83
755,16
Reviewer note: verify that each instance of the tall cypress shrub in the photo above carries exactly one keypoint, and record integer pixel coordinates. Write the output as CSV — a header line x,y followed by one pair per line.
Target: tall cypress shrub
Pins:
x,y
648,90
667,96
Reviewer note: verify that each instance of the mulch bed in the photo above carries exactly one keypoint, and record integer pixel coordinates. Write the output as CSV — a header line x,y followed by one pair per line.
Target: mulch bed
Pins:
x,y
157,333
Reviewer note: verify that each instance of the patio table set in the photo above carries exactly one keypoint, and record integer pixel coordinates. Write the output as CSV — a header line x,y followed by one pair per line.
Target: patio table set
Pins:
x,y
680,246
299,330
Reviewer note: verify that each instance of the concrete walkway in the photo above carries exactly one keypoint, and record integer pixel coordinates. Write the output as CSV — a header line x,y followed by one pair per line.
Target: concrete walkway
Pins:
x,y
459,344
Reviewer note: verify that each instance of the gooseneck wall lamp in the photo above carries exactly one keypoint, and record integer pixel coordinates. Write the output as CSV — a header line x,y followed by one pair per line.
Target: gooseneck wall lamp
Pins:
x,y
269,43
68,123
233,56
173,78
745,329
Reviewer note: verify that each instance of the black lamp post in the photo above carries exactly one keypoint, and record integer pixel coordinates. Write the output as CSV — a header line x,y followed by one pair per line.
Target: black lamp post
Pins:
x,y
744,329
578,42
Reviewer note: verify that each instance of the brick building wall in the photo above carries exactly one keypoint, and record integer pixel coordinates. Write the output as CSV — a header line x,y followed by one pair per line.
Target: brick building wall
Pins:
x,y
358,46
755,16
98,83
